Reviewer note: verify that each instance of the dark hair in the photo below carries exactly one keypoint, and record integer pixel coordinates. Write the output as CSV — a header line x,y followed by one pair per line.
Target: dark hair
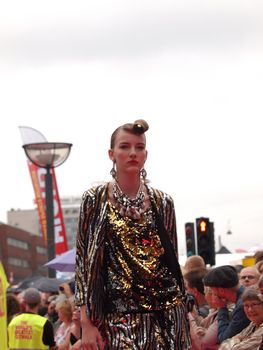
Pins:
x,y
13,306
139,127
224,276
258,256
238,267
195,279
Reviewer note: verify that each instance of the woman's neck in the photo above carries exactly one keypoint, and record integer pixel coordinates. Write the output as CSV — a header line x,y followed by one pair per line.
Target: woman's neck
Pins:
x,y
129,185
67,323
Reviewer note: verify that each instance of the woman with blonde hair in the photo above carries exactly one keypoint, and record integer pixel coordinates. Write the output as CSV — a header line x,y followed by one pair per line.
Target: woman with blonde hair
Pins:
x,y
64,310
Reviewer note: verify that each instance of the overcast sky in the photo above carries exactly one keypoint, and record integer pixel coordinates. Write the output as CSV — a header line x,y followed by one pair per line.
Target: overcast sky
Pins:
x,y
75,70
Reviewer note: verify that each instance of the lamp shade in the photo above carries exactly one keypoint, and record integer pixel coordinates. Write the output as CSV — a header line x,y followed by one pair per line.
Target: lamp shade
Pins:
x,y
47,154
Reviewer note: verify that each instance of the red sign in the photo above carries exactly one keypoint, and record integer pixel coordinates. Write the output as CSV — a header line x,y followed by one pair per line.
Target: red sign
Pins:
x,y
38,180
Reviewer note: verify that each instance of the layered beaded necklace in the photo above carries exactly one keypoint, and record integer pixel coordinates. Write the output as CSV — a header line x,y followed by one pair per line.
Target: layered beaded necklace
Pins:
x,y
131,207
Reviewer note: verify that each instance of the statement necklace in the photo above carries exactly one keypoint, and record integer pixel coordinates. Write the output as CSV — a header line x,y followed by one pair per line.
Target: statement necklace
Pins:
x,y
128,206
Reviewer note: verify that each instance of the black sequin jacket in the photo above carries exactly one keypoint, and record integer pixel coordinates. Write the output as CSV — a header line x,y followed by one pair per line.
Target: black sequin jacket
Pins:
x,y
90,243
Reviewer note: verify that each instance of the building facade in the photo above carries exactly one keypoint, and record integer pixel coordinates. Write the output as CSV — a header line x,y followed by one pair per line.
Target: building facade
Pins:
x,y
28,220
21,253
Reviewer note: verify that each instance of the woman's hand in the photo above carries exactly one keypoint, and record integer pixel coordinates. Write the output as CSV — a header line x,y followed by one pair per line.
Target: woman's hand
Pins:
x,y
91,338
200,331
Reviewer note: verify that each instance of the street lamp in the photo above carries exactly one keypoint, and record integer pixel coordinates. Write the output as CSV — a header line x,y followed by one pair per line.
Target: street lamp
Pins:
x,y
48,155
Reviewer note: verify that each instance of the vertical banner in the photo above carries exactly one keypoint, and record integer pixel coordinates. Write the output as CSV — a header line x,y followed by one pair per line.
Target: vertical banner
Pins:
x,y
3,313
30,135
38,180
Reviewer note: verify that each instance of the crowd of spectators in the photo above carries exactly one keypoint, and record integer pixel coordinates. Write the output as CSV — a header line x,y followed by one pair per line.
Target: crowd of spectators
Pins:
x,y
43,320
233,296
225,309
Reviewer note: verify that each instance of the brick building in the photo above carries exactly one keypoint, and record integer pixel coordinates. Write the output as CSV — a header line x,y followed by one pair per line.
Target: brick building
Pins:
x,y
21,252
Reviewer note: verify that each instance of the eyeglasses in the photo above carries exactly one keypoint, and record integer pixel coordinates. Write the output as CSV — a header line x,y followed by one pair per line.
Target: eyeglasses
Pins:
x,y
248,277
252,306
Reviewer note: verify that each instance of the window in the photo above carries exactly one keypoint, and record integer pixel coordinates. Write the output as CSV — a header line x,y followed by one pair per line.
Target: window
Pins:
x,y
18,262
17,243
41,250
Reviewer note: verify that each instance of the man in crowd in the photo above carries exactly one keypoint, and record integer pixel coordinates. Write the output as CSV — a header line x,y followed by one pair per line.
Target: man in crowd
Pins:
x,y
30,330
226,289
249,276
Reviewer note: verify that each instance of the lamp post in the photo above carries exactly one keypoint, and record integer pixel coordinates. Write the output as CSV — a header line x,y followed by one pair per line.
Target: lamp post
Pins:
x,y
48,155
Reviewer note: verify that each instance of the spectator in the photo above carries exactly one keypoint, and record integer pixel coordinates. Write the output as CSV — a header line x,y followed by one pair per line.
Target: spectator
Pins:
x,y
249,276
204,333
249,338
13,306
258,256
75,329
195,287
52,314
259,266
30,330
225,286
194,262
260,284
64,311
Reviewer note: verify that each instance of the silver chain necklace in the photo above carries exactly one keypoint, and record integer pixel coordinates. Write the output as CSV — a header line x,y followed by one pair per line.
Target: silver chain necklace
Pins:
x,y
128,206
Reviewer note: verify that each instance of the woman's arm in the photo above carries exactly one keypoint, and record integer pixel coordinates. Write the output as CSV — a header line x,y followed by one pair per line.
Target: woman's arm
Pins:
x,y
91,338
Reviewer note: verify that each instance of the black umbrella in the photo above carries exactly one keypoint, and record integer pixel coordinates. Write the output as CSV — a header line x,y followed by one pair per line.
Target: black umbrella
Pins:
x,y
27,282
47,284
43,284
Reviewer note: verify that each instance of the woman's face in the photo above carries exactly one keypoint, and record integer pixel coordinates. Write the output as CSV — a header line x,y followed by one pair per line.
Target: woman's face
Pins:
x,y
51,308
129,152
254,310
209,297
63,315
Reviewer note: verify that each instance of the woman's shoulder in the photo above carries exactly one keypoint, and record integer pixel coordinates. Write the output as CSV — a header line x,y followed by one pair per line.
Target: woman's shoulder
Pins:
x,y
95,190
158,194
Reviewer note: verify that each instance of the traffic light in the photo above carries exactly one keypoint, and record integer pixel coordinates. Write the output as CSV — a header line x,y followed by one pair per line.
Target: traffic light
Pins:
x,y
205,240
190,239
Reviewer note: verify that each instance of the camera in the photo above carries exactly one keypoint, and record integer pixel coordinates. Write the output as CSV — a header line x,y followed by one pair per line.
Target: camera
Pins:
x,y
190,302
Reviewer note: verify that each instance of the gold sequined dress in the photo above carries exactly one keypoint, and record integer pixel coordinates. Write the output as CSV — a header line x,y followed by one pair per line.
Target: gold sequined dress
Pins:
x,y
138,300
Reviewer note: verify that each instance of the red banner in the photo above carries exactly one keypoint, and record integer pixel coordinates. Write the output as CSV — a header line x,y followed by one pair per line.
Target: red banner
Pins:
x,y
38,180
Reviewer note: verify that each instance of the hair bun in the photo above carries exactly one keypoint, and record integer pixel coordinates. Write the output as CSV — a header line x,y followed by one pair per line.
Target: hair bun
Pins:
x,y
140,126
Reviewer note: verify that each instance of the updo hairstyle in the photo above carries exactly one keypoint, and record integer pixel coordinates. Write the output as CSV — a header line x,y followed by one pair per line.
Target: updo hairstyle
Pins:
x,y
139,127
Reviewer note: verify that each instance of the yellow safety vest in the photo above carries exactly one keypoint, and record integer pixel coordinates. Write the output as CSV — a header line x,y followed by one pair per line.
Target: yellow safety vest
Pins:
x,y
25,331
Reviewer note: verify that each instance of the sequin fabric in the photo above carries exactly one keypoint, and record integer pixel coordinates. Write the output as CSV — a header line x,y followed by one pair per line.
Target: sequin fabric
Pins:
x,y
157,327
137,279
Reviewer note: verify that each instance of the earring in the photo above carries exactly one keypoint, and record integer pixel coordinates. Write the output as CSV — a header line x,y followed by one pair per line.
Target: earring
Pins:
x,y
143,173
113,171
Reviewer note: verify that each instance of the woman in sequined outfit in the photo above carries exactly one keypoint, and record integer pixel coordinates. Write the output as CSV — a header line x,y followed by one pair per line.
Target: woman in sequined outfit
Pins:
x,y
128,281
